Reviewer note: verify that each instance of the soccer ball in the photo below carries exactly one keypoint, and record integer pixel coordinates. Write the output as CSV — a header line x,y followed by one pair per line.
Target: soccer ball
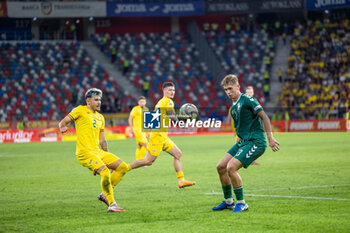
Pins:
x,y
188,111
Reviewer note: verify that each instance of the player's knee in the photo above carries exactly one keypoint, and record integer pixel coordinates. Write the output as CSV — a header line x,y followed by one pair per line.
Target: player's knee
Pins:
x,y
103,171
231,167
179,154
221,168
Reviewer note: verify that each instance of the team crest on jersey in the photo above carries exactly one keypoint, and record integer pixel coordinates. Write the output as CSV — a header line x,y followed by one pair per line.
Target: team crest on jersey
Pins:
x,y
238,107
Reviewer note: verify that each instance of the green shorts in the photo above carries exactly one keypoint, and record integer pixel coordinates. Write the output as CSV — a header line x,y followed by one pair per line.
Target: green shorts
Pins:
x,y
248,151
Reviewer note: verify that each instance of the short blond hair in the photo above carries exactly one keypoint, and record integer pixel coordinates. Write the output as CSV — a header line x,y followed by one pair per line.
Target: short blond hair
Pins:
x,y
229,79
250,88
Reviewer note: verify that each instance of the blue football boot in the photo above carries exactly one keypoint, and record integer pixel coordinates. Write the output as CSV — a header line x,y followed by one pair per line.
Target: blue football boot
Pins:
x,y
240,207
224,205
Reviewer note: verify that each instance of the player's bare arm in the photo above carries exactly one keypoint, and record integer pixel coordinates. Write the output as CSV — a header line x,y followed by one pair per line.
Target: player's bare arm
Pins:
x,y
267,125
103,141
64,123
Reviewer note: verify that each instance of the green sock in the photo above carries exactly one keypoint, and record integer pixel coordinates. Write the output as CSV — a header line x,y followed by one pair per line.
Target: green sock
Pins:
x,y
227,191
239,193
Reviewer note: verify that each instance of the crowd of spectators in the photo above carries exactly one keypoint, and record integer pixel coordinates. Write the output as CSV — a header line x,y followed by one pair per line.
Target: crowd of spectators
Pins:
x,y
317,81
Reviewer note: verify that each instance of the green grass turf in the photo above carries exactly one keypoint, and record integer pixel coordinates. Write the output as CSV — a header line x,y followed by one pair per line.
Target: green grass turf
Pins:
x,y
44,188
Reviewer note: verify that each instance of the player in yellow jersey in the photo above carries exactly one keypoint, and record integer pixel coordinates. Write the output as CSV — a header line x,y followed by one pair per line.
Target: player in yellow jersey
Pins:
x,y
135,124
159,140
89,124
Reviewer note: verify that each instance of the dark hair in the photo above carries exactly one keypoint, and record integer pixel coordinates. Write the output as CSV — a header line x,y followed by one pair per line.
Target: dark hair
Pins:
x,y
168,84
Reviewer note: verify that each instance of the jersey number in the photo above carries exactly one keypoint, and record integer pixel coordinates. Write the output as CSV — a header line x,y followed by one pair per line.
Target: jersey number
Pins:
x,y
94,124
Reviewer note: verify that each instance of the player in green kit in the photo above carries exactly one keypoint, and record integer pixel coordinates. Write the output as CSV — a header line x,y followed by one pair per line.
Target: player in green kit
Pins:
x,y
250,121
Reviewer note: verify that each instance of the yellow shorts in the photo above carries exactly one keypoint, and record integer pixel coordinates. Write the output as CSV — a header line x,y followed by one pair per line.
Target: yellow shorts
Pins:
x,y
96,159
140,137
158,142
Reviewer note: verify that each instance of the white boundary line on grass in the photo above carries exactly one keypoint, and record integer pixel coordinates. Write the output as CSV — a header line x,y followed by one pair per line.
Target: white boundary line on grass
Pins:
x,y
301,187
300,197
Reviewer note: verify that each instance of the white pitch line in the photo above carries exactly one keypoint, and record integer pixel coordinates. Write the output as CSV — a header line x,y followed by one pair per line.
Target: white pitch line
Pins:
x,y
300,197
288,188
301,187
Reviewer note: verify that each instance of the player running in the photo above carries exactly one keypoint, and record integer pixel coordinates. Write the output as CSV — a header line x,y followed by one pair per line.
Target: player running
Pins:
x,y
159,140
250,121
135,124
89,124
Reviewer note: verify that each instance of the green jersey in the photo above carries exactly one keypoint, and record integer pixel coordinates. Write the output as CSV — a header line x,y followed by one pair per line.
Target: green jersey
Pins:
x,y
246,120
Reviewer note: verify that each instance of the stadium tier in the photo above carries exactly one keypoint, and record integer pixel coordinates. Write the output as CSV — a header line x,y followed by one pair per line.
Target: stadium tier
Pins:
x,y
245,54
317,82
155,58
45,80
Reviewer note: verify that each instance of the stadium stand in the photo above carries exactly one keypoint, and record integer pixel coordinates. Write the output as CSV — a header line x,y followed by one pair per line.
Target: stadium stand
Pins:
x,y
243,52
317,82
159,57
45,80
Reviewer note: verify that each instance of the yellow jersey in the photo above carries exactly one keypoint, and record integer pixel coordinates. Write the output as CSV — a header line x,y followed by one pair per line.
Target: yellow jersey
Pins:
x,y
137,114
88,126
164,104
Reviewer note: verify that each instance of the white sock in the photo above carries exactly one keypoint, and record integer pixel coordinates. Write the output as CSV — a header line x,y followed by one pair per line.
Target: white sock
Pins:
x,y
229,200
241,202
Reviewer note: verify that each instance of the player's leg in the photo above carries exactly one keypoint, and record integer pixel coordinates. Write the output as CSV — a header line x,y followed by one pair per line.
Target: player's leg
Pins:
x,y
141,141
154,148
92,160
226,185
119,167
141,150
138,147
106,183
147,161
243,158
232,167
172,149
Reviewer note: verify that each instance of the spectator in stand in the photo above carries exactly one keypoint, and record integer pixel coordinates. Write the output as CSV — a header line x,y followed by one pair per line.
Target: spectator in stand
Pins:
x,y
126,64
280,74
317,81
113,54
145,87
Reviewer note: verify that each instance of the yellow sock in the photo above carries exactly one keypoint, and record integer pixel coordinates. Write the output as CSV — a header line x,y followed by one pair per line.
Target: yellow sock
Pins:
x,y
137,153
106,185
180,176
118,174
141,153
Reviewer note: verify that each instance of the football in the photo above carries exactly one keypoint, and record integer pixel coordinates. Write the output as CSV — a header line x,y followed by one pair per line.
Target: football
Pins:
x,y
188,111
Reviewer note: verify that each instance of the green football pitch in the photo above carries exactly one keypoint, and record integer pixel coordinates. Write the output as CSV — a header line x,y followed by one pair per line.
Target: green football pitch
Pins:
x,y
305,187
